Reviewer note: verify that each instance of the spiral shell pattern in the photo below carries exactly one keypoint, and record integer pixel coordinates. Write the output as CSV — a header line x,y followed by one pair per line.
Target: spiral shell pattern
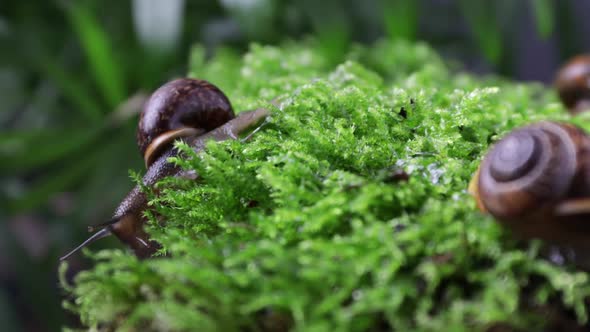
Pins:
x,y
531,167
179,108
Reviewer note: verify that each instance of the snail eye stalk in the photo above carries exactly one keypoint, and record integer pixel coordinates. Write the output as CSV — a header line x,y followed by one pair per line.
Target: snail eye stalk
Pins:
x,y
96,236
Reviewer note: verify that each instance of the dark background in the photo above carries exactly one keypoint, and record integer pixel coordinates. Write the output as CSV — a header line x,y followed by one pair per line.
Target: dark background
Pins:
x,y
73,76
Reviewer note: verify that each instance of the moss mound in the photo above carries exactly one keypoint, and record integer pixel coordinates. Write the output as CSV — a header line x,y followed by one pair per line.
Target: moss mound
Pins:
x,y
313,225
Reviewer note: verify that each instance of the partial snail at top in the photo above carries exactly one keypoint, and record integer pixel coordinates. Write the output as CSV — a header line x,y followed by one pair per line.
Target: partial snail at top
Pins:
x,y
186,109
573,84
536,181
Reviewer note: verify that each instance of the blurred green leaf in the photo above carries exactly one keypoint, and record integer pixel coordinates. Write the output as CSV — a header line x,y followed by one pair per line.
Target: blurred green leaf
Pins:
x,y
255,17
332,42
99,52
543,14
71,88
568,41
27,150
481,19
59,180
35,289
401,19
330,23
12,141
108,181
8,316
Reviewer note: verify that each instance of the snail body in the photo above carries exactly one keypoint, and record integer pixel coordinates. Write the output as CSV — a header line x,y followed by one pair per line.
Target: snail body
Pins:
x,y
573,84
536,181
205,114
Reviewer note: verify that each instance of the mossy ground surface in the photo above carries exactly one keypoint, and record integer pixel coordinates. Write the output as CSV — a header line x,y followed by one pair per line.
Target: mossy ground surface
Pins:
x,y
310,224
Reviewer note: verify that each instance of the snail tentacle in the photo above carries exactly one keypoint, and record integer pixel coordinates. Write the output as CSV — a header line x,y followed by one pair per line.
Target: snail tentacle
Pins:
x,y
96,236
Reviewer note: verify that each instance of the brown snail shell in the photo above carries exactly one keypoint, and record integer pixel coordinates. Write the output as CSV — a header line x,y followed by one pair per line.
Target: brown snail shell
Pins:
x,y
180,108
536,181
573,84
128,219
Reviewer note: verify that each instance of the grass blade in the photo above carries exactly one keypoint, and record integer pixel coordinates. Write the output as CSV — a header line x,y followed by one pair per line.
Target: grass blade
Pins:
x,y
479,16
401,19
99,52
57,181
71,89
543,14
24,151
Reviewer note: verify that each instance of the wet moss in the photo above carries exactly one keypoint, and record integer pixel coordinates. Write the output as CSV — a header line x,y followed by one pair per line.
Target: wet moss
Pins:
x,y
307,226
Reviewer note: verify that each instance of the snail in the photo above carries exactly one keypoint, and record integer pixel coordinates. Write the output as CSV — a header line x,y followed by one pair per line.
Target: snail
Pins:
x,y
192,110
536,181
573,84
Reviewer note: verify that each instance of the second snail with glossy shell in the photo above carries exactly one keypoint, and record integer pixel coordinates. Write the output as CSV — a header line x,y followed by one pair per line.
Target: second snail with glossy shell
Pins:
x,y
536,181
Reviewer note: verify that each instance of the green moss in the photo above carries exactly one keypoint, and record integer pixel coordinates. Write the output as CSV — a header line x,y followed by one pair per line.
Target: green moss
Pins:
x,y
307,224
